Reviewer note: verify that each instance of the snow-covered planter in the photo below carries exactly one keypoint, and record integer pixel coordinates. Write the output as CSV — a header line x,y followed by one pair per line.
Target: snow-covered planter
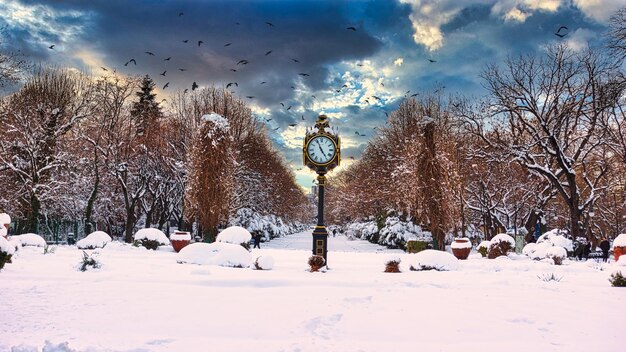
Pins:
x,y
619,246
217,253
97,239
151,238
30,239
392,264
264,262
557,254
500,245
431,259
483,247
235,235
461,248
179,240
6,251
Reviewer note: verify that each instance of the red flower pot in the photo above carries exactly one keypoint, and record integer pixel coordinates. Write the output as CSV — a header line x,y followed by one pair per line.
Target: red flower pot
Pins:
x,y
617,251
180,239
461,248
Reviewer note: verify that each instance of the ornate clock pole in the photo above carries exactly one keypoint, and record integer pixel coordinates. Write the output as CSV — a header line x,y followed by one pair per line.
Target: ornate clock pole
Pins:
x,y
321,154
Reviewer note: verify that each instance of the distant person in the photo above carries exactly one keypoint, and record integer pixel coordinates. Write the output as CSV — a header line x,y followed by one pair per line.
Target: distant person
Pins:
x,y
257,240
605,246
335,232
587,250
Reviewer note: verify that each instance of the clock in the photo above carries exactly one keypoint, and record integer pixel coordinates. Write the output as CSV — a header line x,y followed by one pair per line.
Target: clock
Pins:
x,y
321,150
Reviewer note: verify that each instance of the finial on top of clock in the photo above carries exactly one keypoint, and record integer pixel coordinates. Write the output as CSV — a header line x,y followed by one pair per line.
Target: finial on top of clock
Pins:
x,y
322,122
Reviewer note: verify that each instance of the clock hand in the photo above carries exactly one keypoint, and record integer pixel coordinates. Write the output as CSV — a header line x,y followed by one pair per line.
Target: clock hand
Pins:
x,y
320,146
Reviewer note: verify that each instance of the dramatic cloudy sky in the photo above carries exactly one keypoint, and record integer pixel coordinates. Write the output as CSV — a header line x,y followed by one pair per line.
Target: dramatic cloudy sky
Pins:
x,y
388,56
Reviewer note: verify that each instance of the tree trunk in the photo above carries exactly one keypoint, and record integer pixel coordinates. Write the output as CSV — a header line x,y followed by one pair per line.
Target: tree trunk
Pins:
x,y
90,204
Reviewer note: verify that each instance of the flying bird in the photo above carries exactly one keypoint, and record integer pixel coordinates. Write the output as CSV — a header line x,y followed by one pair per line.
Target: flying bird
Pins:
x,y
292,87
558,32
304,74
293,125
182,69
186,90
295,60
431,60
289,108
166,85
377,98
129,61
276,129
560,28
263,82
351,28
180,14
269,52
242,62
232,83
237,23
414,95
103,68
268,120
194,85
200,42
228,44
232,69
269,24
360,65
186,41
282,104
168,59
302,117
250,96
51,46
163,74
149,53
313,96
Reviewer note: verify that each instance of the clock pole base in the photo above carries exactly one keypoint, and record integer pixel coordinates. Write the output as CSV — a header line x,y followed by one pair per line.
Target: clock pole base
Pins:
x,y
320,242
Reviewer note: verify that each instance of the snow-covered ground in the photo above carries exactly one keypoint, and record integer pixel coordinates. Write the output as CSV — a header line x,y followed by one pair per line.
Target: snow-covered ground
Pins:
x,y
143,300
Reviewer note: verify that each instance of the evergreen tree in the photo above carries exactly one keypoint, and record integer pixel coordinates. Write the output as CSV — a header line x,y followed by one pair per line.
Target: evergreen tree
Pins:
x,y
146,111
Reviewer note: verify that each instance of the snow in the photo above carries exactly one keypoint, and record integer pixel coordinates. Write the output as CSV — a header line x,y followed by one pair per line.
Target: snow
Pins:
x,y
556,251
234,235
5,219
153,235
503,237
556,238
217,253
620,241
484,244
264,262
430,258
461,245
180,236
219,120
30,239
5,246
621,261
144,301
97,239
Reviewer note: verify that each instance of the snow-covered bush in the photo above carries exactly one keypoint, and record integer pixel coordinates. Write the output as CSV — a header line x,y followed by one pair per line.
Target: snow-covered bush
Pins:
x,y
557,238
30,239
617,279
620,240
431,259
151,238
269,226
392,264
88,261
97,239
483,247
395,233
235,235
264,262
500,245
557,254
415,246
316,262
6,252
217,253
529,249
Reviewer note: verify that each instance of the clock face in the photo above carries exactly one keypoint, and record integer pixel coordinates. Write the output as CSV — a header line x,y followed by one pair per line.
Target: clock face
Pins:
x,y
321,150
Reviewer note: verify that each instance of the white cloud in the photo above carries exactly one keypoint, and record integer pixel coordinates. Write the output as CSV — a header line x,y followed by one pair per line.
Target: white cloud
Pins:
x,y
399,61
579,39
515,14
599,10
427,16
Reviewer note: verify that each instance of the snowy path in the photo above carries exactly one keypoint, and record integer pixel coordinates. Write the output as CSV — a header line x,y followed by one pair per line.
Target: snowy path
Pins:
x,y
143,301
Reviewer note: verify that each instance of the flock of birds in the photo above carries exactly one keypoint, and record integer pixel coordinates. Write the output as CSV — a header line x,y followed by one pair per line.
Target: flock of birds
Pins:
x,y
561,32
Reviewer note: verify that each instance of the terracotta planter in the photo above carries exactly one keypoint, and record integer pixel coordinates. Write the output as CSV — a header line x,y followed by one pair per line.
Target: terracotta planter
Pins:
x,y
461,248
617,251
179,240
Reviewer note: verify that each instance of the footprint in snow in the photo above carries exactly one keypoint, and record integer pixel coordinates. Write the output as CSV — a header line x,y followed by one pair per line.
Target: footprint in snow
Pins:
x,y
322,326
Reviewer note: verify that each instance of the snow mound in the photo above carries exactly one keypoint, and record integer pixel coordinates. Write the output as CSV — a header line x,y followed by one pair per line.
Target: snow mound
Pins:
x,y
264,262
461,245
234,235
540,250
5,219
97,239
529,249
5,246
30,239
217,253
621,261
556,251
153,235
484,244
620,241
432,259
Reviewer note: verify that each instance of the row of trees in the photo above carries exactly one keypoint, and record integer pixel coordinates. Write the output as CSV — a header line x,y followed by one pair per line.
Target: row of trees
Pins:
x,y
105,152
547,144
